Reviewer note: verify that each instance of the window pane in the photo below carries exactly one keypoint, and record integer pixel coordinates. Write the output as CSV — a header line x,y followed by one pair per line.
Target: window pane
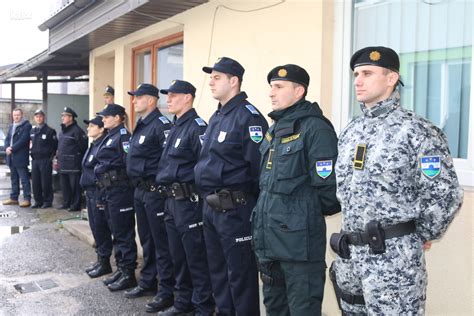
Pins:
x,y
169,68
434,41
143,67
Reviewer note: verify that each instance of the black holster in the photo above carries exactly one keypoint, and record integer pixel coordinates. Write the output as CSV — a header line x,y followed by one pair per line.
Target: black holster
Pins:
x,y
376,237
268,276
340,244
183,191
342,295
226,199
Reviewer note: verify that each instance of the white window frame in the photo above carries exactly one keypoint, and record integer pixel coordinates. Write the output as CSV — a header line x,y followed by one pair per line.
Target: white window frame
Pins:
x,y
342,85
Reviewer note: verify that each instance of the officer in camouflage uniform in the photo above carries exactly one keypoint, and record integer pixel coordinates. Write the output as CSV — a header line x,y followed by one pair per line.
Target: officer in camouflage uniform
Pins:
x,y
398,190
297,188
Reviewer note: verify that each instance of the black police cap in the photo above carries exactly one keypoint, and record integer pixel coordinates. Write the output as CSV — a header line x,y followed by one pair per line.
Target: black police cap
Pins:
x,y
226,65
289,72
180,86
109,90
378,56
69,111
96,121
39,112
145,89
112,109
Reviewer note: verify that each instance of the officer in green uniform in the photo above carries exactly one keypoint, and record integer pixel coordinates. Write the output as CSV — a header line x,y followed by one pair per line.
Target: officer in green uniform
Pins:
x,y
297,188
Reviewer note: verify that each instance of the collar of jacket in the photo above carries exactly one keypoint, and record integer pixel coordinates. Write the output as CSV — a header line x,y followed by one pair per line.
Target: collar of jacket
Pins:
x,y
65,128
98,140
285,120
186,116
116,129
150,117
232,103
383,107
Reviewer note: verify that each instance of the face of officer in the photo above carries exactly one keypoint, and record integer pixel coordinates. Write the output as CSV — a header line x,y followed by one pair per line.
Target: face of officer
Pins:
x,y
111,121
373,84
39,119
17,115
144,104
284,94
179,103
94,131
223,86
108,98
66,119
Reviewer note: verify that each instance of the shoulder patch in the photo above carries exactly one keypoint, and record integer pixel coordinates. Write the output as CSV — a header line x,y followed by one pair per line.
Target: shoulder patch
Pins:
x,y
200,121
430,166
123,131
324,168
256,133
252,109
125,146
164,119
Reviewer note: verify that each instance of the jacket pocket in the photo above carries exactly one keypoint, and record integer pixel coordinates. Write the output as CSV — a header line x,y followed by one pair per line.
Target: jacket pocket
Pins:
x,y
291,167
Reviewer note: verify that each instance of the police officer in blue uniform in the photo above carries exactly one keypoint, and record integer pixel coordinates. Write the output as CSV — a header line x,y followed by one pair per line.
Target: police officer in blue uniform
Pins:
x,y
72,144
227,177
144,154
116,196
44,144
97,219
184,207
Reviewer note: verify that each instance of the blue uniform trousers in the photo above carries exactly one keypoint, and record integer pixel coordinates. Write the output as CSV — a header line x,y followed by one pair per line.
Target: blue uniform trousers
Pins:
x,y
121,217
232,263
71,190
42,180
193,285
157,261
99,225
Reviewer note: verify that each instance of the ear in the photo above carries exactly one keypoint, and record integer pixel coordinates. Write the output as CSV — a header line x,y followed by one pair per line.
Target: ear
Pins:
x,y
299,91
234,81
393,78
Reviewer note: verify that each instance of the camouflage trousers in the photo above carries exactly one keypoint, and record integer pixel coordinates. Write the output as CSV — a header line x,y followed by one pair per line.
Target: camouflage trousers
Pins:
x,y
393,283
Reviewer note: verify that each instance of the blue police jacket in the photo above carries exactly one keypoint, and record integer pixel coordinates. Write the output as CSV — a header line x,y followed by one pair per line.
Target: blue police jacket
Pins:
x,y
112,151
230,157
20,145
89,162
146,145
72,144
44,142
182,149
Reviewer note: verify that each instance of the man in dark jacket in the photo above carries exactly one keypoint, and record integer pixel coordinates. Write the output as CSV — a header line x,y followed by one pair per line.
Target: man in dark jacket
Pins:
x,y
17,146
72,145
297,188
44,144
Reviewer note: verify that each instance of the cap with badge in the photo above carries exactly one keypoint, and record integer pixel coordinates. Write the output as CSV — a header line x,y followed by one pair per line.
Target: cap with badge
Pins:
x,y
289,72
68,111
96,121
180,86
226,65
39,112
112,110
145,89
377,56
109,91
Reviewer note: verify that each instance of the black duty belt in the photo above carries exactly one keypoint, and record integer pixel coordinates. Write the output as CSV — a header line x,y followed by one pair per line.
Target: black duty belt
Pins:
x,y
113,178
365,238
146,184
183,191
226,199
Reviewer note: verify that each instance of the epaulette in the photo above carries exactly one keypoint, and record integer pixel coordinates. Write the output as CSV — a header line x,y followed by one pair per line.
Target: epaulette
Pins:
x,y
165,120
252,109
200,121
123,131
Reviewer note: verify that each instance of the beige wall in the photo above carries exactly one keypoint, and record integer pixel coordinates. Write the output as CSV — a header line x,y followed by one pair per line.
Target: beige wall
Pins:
x,y
299,32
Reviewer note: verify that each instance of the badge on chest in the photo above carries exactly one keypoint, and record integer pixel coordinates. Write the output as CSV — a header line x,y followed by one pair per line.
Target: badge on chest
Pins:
x,y
221,137
141,140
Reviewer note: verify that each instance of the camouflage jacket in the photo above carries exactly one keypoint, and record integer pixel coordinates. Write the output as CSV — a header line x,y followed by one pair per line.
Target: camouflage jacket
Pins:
x,y
407,172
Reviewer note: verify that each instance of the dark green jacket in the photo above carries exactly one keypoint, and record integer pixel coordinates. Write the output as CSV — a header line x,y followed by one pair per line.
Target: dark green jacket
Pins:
x,y
288,221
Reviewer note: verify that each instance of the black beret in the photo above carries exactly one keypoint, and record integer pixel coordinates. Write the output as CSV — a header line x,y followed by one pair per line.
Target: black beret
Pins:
x,y
180,86
96,121
112,109
109,90
226,65
378,56
145,89
69,111
290,72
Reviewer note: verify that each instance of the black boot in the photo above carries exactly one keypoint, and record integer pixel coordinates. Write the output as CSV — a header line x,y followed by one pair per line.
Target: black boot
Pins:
x,y
126,281
102,269
93,266
114,277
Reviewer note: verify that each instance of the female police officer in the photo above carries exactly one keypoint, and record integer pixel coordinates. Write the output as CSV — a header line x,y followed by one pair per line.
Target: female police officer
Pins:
x,y
97,220
116,195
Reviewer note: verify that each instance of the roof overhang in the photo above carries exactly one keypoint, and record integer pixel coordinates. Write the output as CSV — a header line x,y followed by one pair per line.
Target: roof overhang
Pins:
x,y
84,25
